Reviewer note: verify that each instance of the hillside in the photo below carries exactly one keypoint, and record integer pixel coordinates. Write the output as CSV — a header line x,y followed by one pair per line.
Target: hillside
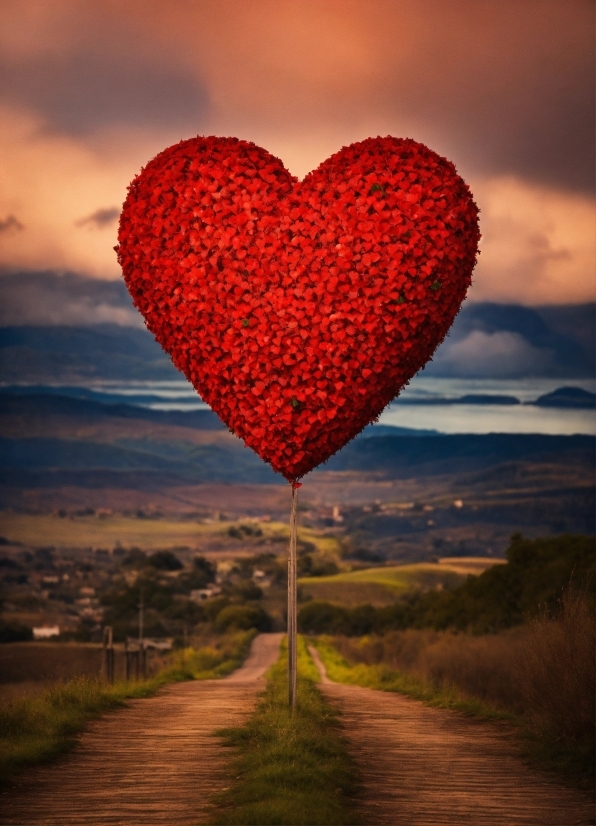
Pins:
x,y
403,496
535,576
61,327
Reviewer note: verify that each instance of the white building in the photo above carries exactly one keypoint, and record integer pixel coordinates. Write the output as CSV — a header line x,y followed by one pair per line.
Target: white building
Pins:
x,y
46,631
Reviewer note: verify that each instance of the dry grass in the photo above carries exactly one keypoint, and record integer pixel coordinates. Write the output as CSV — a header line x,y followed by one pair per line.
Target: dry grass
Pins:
x,y
542,672
484,667
27,668
557,676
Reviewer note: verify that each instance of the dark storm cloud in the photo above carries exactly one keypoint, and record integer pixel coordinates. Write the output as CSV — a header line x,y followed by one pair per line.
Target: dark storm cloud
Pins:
x,y
508,86
100,218
80,92
53,298
503,86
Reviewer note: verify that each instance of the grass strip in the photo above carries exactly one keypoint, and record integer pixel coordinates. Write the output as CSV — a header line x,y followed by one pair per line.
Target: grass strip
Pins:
x,y
37,729
211,661
289,768
384,678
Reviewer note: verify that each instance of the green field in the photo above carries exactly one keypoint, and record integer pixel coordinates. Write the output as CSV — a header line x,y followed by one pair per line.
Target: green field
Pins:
x,y
382,585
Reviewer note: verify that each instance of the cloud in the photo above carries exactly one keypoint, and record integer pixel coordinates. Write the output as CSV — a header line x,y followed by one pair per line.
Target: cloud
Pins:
x,y
501,88
85,70
537,244
50,298
49,182
100,218
92,91
490,355
10,223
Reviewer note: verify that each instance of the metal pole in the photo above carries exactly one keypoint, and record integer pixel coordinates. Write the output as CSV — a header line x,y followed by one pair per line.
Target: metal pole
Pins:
x,y
292,618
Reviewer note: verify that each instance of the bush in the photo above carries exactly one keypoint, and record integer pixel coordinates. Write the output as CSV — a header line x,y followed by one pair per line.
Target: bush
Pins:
x,y
557,674
243,617
324,618
165,561
543,671
535,576
14,632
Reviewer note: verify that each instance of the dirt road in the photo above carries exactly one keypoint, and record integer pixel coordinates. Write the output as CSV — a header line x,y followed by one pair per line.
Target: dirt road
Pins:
x,y
424,766
153,763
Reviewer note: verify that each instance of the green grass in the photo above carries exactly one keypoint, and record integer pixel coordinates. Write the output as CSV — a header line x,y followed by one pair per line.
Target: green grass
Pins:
x,y
212,661
383,678
289,768
380,585
37,729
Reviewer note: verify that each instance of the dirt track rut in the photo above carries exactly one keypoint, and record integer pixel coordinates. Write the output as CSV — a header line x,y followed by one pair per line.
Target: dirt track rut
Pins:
x,y
424,766
153,763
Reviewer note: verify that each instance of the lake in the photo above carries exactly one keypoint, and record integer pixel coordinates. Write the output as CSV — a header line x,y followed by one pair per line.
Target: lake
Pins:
x,y
454,418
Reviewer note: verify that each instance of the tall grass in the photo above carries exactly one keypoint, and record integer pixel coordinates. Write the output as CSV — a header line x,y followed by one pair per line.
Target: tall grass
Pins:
x,y
385,678
289,768
540,674
557,679
483,667
39,728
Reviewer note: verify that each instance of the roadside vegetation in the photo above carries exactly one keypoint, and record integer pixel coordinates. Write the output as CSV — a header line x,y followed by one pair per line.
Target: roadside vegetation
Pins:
x,y
538,670
289,768
37,729
534,578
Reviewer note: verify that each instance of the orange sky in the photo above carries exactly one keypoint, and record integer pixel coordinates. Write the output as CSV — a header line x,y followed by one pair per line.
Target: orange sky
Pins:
x,y
89,91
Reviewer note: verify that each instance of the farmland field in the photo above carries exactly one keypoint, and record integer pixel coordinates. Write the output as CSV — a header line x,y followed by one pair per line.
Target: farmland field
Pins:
x,y
149,533
382,585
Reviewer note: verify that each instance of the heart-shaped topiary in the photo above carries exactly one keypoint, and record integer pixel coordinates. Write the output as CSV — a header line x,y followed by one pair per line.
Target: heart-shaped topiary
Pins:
x,y
298,310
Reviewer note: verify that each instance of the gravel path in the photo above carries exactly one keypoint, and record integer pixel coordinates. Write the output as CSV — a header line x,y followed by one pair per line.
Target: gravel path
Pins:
x,y
424,766
153,763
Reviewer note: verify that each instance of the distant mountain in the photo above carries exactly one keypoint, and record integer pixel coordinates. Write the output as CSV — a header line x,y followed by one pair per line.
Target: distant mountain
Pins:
x,y
22,408
82,354
568,397
49,441
61,327
403,457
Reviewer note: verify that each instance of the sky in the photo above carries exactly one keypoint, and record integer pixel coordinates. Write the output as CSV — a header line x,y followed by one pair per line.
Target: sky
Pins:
x,y
90,91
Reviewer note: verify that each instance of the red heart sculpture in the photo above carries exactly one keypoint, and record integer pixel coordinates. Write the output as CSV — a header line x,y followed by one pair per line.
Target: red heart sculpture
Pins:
x,y
298,310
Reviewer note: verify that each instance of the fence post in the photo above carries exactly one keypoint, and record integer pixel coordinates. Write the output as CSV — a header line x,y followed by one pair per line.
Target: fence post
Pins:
x,y
127,656
108,653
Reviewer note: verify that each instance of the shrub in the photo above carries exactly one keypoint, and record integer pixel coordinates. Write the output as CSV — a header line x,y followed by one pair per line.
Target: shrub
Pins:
x,y
243,617
536,574
165,561
557,673
14,632
323,618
